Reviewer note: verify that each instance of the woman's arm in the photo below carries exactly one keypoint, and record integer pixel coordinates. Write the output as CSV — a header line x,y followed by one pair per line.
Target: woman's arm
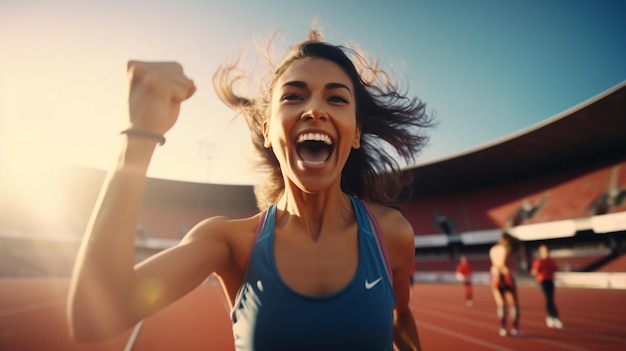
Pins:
x,y
405,336
399,241
107,292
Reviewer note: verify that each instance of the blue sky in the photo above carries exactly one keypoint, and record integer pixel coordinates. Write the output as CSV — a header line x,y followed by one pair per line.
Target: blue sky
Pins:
x,y
486,68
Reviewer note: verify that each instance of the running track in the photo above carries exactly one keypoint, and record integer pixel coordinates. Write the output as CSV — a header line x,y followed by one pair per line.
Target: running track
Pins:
x,y
32,318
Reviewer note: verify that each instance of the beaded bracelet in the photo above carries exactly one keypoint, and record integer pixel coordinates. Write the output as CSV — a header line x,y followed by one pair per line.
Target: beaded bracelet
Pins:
x,y
143,133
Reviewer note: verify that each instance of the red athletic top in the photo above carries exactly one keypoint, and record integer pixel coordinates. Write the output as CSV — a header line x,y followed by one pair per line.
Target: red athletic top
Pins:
x,y
545,268
464,269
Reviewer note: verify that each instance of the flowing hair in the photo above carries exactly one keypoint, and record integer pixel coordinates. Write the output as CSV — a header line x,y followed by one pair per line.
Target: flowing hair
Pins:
x,y
389,120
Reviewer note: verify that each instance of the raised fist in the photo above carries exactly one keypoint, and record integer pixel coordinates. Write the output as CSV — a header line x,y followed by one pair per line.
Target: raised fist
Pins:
x,y
156,92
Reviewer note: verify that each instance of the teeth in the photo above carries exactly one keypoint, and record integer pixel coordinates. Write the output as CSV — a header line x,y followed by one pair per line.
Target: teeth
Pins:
x,y
315,137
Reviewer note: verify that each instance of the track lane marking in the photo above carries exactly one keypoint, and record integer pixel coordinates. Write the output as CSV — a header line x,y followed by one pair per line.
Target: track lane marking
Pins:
x,y
461,336
28,308
472,322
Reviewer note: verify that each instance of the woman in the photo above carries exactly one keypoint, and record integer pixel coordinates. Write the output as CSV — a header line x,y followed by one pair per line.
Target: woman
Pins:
x,y
503,285
324,266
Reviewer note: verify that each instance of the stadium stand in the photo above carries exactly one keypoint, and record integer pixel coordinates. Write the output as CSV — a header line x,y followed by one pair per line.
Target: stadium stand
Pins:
x,y
553,183
563,181
616,265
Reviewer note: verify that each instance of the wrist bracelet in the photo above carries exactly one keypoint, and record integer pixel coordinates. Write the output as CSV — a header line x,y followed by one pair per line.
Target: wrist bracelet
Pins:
x,y
143,133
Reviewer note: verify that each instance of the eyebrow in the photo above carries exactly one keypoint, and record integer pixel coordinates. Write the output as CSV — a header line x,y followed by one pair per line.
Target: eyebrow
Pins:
x,y
301,84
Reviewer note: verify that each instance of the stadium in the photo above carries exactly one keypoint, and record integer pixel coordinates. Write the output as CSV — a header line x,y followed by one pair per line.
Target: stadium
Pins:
x,y
560,183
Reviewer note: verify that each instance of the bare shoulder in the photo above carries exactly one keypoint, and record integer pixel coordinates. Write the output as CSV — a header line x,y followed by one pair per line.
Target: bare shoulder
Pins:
x,y
221,228
393,224
234,236
395,229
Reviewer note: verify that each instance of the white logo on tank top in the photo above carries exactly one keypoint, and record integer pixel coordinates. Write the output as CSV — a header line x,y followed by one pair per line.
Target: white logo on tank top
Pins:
x,y
369,285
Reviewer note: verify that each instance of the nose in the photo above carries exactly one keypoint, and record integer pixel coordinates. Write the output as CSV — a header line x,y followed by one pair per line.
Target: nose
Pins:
x,y
314,111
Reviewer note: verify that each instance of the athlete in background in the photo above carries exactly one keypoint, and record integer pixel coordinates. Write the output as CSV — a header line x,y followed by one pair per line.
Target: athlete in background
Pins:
x,y
503,285
464,275
543,270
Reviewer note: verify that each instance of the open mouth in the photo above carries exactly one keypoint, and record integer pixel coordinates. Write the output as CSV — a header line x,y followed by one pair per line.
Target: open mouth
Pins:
x,y
314,148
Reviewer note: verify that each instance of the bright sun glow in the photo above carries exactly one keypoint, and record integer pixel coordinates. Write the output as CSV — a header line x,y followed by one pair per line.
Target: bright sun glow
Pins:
x,y
63,93
63,98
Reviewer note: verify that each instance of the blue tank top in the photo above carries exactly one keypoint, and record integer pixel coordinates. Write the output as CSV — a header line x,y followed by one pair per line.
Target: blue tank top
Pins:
x,y
269,315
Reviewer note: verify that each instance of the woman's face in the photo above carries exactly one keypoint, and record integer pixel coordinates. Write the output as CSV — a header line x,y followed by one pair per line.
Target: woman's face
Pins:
x,y
312,125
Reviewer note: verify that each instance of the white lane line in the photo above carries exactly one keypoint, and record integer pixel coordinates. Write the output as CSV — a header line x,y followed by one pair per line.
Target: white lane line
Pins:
x,y
470,339
133,336
448,316
539,316
593,334
28,308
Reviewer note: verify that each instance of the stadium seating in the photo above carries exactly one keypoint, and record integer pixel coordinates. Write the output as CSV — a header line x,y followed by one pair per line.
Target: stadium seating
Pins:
x,y
616,265
568,195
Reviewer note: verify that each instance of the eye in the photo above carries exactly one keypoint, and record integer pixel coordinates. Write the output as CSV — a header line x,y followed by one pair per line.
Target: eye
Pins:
x,y
337,98
290,97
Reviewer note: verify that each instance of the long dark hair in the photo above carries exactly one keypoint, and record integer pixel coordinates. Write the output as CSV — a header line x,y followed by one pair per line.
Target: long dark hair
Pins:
x,y
389,120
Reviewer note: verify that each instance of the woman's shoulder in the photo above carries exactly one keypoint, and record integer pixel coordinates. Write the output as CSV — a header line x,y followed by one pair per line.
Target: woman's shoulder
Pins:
x,y
397,235
392,223
224,228
384,212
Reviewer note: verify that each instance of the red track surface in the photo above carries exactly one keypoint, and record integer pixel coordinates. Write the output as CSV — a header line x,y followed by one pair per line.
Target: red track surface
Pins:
x,y
32,318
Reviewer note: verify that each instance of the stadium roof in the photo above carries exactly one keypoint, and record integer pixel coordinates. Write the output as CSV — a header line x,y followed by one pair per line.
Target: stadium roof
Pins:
x,y
593,132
